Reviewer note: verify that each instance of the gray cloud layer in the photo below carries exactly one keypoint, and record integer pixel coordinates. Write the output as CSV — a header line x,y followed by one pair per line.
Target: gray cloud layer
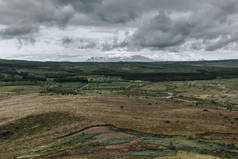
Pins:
x,y
159,24
23,33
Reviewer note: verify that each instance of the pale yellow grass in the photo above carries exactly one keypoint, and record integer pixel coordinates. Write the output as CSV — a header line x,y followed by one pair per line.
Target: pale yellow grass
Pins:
x,y
185,155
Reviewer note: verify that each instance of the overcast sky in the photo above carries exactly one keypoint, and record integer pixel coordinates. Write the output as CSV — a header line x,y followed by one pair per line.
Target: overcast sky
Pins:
x,y
75,30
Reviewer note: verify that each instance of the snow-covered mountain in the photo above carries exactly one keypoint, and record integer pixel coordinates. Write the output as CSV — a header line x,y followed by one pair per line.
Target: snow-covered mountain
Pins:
x,y
135,58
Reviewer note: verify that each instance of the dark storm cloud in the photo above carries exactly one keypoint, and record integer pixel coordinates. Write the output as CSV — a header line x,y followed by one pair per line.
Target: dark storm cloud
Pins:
x,y
159,24
223,41
87,44
212,24
80,43
67,41
161,32
103,11
14,12
23,33
86,6
19,31
61,11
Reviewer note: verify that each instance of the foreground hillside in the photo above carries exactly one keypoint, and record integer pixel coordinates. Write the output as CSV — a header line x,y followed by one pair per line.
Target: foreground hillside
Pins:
x,y
96,126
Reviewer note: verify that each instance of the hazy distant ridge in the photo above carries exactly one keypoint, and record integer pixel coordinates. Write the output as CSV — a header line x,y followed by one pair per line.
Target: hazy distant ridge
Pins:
x,y
135,58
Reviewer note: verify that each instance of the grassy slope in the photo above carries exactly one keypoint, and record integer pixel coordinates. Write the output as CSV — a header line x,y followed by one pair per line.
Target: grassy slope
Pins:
x,y
92,143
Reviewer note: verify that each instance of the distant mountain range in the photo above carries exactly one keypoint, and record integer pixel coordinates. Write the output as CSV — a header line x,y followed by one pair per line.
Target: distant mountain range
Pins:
x,y
135,58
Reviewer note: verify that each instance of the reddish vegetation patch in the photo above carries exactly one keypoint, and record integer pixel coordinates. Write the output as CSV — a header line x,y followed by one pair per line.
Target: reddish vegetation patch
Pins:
x,y
131,146
105,133
219,136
